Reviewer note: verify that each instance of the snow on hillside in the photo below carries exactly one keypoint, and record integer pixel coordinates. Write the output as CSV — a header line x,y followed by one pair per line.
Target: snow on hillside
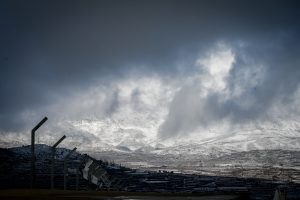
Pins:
x,y
122,136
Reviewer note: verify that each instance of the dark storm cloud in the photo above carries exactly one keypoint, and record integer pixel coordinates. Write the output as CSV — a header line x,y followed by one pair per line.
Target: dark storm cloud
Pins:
x,y
49,48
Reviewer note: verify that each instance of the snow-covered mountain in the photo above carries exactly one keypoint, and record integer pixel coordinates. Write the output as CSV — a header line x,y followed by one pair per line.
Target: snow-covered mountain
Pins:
x,y
191,116
120,136
115,135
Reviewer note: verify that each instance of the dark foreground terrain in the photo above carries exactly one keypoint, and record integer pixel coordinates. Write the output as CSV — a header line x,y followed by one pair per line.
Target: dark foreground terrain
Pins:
x,y
22,194
102,178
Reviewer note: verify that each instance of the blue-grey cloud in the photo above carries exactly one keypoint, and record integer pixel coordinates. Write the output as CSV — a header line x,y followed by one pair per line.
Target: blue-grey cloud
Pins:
x,y
51,50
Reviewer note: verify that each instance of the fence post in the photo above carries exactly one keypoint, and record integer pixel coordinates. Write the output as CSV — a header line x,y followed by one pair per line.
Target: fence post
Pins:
x,y
65,167
53,148
33,174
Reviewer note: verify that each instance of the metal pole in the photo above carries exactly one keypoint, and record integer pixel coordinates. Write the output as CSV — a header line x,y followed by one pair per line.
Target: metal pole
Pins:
x,y
32,160
65,167
53,148
52,167
33,174
77,179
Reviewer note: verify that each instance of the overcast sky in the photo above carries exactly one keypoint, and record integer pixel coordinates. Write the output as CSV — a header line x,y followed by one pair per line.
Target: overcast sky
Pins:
x,y
191,65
